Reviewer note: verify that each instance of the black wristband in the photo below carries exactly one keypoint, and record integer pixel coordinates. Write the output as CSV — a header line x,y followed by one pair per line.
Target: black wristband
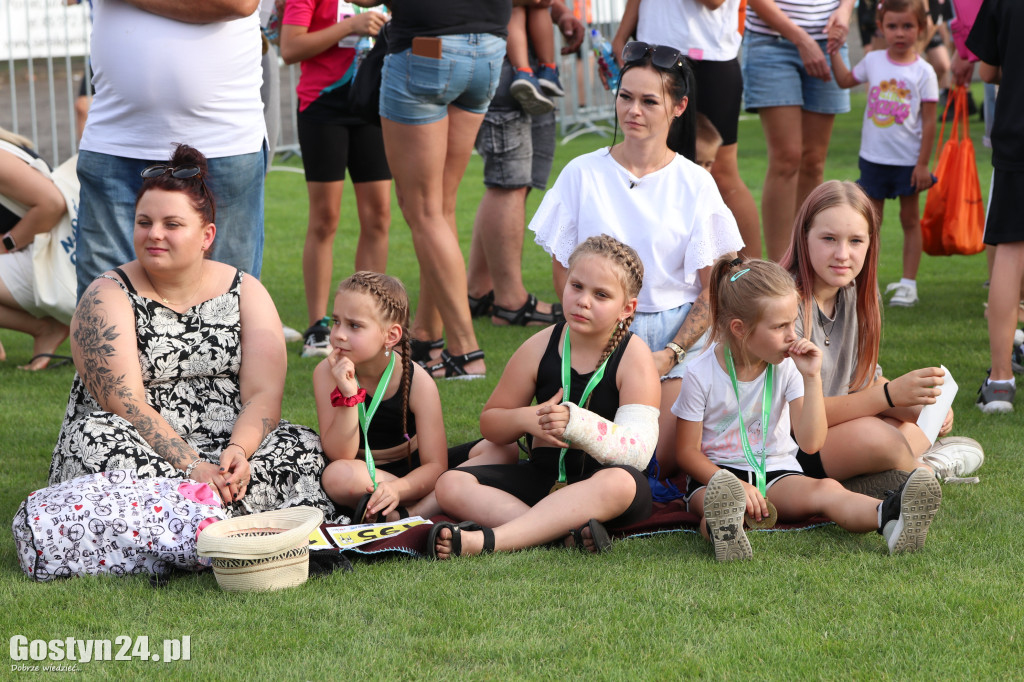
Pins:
x,y
888,399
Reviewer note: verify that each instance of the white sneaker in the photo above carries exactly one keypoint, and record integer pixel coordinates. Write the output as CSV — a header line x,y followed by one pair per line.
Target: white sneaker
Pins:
x,y
291,335
954,457
904,296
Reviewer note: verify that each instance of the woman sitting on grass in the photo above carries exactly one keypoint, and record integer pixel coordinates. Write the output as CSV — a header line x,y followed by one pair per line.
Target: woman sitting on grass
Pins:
x,y
181,363
593,428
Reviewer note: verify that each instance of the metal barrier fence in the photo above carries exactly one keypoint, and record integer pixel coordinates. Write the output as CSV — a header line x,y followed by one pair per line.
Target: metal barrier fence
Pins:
x,y
45,43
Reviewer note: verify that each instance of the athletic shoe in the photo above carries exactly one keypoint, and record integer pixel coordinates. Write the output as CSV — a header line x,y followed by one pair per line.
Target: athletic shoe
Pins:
x,y
548,79
1017,357
954,457
317,340
880,485
527,92
291,335
907,513
904,296
725,503
996,398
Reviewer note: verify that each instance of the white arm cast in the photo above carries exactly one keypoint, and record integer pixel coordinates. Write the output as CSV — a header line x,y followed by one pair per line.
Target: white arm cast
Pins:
x,y
630,439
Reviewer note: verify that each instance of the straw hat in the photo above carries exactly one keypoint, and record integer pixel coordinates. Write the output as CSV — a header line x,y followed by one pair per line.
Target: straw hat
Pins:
x,y
265,551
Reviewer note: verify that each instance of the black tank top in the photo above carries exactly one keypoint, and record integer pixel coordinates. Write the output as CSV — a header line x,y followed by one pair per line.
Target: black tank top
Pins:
x,y
604,400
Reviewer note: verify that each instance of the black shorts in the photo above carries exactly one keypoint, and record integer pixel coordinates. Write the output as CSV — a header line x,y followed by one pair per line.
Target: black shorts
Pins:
x,y
720,95
811,464
1004,224
401,467
936,41
693,485
531,483
329,147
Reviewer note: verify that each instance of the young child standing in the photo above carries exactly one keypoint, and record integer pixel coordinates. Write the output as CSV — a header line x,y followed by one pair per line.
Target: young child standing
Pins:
x,y
379,412
736,410
899,127
873,437
591,433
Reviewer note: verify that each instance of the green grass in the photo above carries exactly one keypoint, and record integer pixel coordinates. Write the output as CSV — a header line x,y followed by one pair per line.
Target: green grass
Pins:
x,y
816,604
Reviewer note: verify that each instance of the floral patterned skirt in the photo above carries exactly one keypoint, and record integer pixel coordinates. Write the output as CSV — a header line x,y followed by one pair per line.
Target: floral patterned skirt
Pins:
x,y
285,469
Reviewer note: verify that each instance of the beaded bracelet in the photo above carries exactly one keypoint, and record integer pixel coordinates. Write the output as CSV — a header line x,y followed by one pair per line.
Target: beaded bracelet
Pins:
x,y
192,465
885,387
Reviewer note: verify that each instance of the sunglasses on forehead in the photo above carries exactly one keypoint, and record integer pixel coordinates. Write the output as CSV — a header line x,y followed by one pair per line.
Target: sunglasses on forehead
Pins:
x,y
180,172
662,56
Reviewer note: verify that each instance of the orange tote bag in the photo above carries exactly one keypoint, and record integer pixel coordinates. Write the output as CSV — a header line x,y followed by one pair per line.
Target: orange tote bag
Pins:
x,y
954,213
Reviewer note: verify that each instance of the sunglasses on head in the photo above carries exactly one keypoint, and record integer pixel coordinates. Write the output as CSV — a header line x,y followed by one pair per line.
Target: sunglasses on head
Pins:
x,y
662,56
180,172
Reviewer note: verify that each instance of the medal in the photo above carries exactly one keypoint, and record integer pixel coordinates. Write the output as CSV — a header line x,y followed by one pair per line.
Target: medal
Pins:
x,y
766,522
557,486
759,467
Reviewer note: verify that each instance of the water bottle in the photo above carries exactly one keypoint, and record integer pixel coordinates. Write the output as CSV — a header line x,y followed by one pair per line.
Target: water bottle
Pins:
x,y
363,46
605,59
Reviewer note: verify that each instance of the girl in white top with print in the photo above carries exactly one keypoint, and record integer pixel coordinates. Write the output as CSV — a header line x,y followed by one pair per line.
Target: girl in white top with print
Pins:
x,y
734,423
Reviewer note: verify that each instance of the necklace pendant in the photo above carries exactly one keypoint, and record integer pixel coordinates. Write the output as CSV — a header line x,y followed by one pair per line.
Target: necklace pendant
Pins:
x,y
827,342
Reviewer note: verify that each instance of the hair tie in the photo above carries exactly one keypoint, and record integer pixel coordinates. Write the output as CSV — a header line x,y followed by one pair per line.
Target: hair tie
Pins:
x,y
739,274
406,436
738,260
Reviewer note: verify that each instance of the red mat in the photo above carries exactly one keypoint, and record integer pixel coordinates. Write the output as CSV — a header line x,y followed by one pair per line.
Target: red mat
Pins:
x,y
667,518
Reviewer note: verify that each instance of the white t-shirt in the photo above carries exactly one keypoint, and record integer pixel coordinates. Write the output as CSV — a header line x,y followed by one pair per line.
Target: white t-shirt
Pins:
x,y
892,119
674,218
707,396
689,26
159,81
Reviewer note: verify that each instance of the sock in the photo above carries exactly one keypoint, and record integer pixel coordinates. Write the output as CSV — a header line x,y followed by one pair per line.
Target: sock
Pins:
x,y
1008,382
912,283
553,67
879,516
525,69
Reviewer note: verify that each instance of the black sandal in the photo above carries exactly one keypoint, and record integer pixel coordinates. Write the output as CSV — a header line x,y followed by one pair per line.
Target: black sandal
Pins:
x,y
481,307
454,366
419,351
598,535
456,529
528,314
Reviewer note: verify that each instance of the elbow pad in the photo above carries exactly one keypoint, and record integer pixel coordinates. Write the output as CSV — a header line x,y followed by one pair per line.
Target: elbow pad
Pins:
x,y
630,439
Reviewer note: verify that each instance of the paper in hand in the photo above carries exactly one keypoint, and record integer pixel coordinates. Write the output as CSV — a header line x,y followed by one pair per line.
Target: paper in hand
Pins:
x,y
931,417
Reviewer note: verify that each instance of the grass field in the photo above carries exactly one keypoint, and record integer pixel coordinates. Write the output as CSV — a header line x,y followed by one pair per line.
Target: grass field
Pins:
x,y
821,604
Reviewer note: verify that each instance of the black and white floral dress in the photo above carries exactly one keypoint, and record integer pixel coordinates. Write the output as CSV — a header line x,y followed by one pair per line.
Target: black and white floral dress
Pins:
x,y
190,363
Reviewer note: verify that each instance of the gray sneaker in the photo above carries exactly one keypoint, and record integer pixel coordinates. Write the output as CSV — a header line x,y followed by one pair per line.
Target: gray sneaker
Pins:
x,y
725,503
907,513
880,485
317,340
996,398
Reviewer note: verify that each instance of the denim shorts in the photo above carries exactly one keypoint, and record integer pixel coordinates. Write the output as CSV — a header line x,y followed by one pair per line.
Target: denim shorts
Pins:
x,y
657,329
416,90
517,149
882,181
774,76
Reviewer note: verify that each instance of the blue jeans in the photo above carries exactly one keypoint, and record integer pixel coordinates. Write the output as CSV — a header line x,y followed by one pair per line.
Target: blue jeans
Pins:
x,y
774,76
657,329
106,215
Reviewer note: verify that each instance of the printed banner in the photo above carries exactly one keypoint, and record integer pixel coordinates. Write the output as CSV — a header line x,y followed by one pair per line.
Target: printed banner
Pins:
x,y
335,536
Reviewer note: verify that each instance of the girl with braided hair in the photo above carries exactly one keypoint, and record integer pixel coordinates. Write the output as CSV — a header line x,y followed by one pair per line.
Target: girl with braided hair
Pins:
x,y
379,412
590,434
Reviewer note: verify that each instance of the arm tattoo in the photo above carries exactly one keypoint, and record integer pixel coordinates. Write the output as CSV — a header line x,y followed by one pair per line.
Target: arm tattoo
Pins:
x,y
268,424
696,322
94,337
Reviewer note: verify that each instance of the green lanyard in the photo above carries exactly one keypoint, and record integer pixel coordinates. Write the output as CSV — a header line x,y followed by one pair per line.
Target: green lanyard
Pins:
x,y
365,416
566,388
766,403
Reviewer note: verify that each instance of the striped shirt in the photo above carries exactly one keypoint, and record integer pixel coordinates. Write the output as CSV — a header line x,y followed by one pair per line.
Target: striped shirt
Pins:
x,y
810,15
